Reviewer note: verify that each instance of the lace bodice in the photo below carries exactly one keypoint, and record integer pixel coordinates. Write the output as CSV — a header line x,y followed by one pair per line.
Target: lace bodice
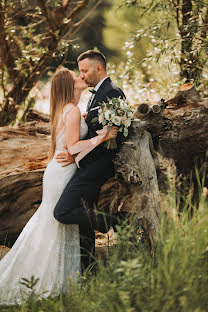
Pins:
x,y
61,140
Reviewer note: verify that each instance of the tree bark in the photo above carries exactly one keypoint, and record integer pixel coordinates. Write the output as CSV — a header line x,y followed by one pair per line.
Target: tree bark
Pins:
x,y
186,96
135,164
187,36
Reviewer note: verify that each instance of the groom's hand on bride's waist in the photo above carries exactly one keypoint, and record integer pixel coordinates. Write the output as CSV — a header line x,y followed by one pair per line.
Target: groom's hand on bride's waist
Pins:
x,y
65,158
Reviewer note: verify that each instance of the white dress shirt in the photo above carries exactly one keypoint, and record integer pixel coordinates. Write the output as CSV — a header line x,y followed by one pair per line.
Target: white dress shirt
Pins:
x,y
96,89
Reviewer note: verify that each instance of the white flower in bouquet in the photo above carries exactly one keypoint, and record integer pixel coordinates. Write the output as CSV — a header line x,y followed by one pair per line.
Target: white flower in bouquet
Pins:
x,y
116,120
123,104
112,115
130,115
107,114
101,118
127,123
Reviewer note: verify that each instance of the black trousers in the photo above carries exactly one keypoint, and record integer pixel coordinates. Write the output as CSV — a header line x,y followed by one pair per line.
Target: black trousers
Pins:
x,y
78,202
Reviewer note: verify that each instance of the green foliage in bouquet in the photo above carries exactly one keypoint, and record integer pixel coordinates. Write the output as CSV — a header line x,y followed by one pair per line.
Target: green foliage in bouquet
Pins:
x,y
116,112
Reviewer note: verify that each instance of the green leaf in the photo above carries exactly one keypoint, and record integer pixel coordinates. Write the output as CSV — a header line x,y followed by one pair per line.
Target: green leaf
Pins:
x,y
94,120
125,132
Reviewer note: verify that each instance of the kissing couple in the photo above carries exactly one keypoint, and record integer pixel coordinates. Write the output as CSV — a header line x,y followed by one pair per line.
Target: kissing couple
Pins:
x,y
59,240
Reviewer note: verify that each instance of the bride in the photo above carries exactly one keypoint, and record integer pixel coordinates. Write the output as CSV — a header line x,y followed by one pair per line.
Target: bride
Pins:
x,y
47,249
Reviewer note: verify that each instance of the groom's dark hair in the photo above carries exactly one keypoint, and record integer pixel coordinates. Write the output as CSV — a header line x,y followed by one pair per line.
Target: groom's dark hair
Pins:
x,y
92,54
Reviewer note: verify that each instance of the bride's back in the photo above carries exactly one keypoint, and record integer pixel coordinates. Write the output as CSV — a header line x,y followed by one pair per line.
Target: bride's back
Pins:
x,y
61,138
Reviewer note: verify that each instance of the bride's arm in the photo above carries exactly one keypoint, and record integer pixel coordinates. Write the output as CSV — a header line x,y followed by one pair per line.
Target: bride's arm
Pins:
x,y
72,126
72,134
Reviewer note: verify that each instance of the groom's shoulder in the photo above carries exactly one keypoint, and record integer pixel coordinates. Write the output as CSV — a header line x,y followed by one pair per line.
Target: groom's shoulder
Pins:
x,y
112,87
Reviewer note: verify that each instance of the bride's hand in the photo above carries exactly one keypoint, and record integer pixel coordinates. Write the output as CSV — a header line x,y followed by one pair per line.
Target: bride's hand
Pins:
x,y
65,157
112,133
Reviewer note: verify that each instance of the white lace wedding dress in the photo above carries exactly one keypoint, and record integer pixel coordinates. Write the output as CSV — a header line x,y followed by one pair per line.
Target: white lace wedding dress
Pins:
x,y
45,249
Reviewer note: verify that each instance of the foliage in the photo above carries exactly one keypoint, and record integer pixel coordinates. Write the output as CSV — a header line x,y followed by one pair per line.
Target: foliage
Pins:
x,y
35,36
141,79
147,36
91,33
171,277
131,78
178,30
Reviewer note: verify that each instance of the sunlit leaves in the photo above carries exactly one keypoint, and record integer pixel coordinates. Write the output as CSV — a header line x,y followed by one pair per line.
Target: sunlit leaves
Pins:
x,y
179,31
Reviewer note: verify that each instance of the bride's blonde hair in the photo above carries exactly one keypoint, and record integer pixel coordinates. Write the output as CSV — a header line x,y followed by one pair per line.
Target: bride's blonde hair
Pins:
x,y
62,92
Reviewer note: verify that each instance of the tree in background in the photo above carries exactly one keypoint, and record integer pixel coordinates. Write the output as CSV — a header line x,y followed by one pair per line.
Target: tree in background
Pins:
x,y
36,34
188,19
90,34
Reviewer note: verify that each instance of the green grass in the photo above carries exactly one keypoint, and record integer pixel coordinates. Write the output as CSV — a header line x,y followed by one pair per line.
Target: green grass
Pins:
x,y
172,276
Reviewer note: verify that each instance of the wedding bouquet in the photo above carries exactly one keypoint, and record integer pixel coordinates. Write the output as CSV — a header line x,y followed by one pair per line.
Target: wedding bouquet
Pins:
x,y
116,112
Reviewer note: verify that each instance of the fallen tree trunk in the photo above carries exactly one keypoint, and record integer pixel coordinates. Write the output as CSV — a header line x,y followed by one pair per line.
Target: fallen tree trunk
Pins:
x,y
24,155
184,146
20,197
187,143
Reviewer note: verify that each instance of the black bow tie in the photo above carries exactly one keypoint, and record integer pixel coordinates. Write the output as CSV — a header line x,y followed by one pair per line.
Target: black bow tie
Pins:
x,y
93,91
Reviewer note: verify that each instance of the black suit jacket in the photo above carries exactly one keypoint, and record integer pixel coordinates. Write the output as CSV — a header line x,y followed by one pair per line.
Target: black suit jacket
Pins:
x,y
107,90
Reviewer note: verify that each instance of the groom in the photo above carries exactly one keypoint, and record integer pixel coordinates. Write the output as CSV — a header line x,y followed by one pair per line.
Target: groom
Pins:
x,y
78,201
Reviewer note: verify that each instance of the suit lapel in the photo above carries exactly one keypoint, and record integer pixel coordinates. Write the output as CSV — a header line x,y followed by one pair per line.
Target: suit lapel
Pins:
x,y
99,93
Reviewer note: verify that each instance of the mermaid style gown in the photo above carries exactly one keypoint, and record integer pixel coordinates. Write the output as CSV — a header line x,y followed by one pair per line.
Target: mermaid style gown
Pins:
x,y
45,249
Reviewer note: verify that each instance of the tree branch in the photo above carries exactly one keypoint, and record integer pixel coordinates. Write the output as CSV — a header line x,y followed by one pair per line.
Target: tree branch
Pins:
x,y
204,31
43,6
177,13
80,22
72,15
65,3
5,52
2,85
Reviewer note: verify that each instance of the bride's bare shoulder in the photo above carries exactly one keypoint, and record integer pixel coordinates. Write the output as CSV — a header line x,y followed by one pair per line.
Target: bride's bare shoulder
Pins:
x,y
67,106
71,111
